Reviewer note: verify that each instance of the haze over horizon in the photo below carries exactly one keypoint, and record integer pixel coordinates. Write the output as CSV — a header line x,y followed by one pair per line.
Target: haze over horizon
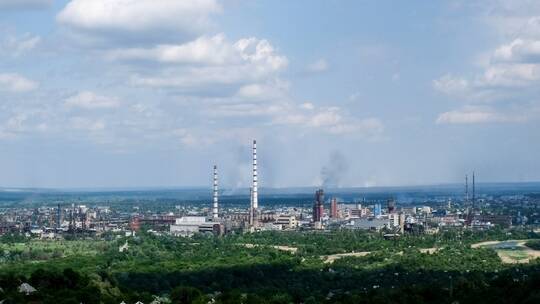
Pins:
x,y
345,93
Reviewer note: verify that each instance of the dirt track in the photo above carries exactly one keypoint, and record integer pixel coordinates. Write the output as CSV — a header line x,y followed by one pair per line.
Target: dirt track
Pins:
x,y
282,248
328,259
522,254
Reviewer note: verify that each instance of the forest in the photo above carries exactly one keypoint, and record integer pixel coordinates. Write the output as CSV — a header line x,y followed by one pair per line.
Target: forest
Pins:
x,y
263,268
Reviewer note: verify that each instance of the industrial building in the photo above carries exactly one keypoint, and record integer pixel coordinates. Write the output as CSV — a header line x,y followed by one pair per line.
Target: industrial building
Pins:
x,y
287,221
334,209
190,225
318,206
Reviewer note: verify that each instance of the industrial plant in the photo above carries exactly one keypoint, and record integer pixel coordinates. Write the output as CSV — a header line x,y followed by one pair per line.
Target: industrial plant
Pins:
x,y
326,212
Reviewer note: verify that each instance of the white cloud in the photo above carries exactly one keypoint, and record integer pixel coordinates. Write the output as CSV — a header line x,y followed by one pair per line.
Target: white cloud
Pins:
x,y
216,50
510,72
118,18
16,83
208,61
519,50
371,127
449,84
329,120
325,118
25,4
510,75
200,86
307,106
14,45
204,50
477,115
23,120
90,100
263,91
321,65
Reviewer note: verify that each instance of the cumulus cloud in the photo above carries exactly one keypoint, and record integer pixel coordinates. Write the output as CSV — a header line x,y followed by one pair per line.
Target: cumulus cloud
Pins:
x,y
16,83
477,115
451,85
16,45
208,61
91,100
263,91
204,50
509,75
116,19
331,120
517,62
519,50
18,121
210,84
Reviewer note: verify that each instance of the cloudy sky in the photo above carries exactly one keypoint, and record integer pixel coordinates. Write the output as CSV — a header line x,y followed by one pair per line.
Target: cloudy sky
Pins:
x,y
127,93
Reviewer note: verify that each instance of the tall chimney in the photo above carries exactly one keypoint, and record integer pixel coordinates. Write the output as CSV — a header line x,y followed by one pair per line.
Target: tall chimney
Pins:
x,y
58,217
254,193
215,211
473,191
466,189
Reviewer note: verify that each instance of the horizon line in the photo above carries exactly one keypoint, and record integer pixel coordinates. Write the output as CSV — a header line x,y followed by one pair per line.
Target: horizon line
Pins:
x,y
176,188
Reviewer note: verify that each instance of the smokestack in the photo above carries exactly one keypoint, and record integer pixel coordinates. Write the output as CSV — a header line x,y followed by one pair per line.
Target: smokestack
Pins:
x,y
215,211
473,191
466,188
251,211
58,217
254,193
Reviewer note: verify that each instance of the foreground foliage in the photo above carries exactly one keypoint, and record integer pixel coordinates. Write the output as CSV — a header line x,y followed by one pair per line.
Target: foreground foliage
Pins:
x,y
205,268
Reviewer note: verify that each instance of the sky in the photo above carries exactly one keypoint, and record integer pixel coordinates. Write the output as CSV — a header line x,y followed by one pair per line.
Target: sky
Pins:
x,y
145,93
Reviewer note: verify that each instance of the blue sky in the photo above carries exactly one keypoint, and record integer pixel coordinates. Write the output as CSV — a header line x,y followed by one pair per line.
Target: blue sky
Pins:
x,y
127,93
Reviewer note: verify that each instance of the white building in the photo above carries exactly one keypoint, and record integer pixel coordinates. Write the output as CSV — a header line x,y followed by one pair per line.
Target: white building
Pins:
x,y
189,225
287,221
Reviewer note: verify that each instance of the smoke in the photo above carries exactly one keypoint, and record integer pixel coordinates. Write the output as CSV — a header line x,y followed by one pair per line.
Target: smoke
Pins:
x,y
237,177
333,172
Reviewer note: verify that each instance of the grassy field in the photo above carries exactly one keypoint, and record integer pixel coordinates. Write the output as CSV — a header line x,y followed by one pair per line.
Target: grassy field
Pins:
x,y
511,252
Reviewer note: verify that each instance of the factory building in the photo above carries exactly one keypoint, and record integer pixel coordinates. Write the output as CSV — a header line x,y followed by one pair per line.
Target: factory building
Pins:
x,y
190,225
391,206
318,206
334,212
373,224
287,221
394,220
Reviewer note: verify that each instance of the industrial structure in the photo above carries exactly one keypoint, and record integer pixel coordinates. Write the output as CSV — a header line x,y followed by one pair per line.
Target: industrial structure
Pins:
x,y
394,220
318,206
470,203
334,208
215,207
254,189
473,192
190,225
466,188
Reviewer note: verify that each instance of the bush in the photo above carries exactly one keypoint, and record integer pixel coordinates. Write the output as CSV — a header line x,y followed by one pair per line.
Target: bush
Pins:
x,y
534,244
185,295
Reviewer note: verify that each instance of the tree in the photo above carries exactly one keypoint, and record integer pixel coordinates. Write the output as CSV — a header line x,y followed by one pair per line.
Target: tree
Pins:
x,y
185,295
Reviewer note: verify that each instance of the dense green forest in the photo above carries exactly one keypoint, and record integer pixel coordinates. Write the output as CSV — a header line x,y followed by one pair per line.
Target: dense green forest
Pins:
x,y
227,270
